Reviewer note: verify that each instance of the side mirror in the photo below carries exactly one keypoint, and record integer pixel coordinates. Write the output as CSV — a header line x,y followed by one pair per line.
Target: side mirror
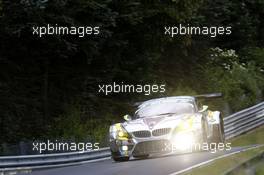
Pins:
x,y
127,117
204,108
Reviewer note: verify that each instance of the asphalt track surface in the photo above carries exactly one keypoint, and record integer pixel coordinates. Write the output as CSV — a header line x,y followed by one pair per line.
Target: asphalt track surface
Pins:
x,y
155,165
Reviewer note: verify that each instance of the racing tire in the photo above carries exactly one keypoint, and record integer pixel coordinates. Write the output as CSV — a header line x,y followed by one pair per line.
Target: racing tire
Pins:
x,y
222,128
204,139
204,132
120,159
218,134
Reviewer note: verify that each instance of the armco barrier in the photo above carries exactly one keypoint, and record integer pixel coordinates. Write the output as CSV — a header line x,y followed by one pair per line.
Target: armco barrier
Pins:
x,y
52,159
234,125
244,120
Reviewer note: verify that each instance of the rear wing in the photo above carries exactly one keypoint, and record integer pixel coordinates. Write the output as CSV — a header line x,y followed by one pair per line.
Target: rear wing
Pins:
x,y
212,95
202,96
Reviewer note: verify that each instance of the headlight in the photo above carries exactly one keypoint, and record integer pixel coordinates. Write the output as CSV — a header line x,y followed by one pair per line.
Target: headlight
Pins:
x,y
183,141
182,137
186,125
118,132
122,133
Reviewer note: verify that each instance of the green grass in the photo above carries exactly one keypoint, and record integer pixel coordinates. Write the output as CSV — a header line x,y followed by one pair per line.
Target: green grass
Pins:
x,y
260,168
256,168
254,137
221,166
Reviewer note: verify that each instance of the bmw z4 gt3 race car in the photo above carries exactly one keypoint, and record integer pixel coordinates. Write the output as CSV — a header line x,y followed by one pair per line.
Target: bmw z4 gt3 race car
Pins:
x,y
166,125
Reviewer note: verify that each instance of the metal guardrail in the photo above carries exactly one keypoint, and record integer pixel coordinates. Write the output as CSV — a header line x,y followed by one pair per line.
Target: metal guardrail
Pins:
x,y
243,121
234,125
51,159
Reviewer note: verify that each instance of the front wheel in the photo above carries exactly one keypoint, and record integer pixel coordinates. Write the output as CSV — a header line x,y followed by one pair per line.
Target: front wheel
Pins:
x,y
118,158
204,132
218,131
218,134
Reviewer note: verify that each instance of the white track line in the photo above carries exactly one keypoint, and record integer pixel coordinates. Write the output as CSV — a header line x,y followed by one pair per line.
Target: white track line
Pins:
x,y
211,160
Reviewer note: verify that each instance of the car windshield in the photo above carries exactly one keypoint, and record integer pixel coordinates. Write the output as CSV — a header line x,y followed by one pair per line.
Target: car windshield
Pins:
x,y
165,108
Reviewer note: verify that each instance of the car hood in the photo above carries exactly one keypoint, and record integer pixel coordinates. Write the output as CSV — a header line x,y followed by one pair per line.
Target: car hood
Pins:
x,y
156,122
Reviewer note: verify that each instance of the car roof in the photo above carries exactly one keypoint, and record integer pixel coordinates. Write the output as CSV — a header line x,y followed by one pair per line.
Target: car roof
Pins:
x,y
163,99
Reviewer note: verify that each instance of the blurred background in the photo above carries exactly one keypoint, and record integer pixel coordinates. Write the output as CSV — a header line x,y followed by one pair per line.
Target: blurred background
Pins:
x,y
49,85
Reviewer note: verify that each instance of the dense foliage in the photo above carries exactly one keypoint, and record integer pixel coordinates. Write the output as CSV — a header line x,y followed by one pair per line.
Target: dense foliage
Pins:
x,y
49,85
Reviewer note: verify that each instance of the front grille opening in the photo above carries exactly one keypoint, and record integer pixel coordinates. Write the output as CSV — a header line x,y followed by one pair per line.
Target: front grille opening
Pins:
x,y
148,147
142,134
160,132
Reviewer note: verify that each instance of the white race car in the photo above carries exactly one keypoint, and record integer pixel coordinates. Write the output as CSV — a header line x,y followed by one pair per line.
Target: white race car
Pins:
x,y
165,125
